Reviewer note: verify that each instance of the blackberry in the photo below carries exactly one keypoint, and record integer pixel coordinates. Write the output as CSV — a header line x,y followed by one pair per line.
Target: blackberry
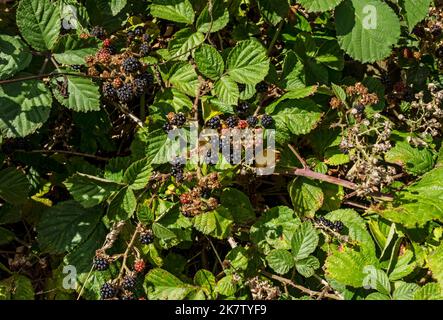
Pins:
x,y
177,169
140,86
131,65
267,121
146,38
179,120
130,34
124,93
167,127
252,121
436,31
145,49
244,6
338,226
360,108
409,95
98,32
128,282
77,67
148,77
386,80
232,121
109,90
147,237
439,52
261,87
214,123
243,107
107,291
205,193
100,263
139,31
419,31
112,49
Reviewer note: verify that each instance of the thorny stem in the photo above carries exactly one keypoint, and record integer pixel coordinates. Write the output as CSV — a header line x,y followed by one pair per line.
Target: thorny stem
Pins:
x,y
128,249
300,287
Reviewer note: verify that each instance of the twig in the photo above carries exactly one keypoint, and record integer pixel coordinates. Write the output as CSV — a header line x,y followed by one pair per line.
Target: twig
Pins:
x,y
216,253
302,161
128,249
46,75
74,153
357,205
276,35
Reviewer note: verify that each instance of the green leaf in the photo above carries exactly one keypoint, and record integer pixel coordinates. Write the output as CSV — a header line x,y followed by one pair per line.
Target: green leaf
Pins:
x,y
430,291
365,35
306,267
184,43
415,11
173,10
419,203
14,56
220,17
415,161
319,5
435,262
71,49
209,61
238,204
404,291
184,78
226,286
89,190
39,23
66,225
347,266
377,296
159,284
275,229
376,279
226,90
138,174
403,266
83,93
123,205
307,197
248,62
294,94
18,287
25,107
304,241
162,232
205,279
14,186
6,236
216,223
116,6
281,261
273,11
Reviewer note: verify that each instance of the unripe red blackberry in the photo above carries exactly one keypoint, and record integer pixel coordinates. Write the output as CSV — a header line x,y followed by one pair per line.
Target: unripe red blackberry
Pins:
x,y
139,265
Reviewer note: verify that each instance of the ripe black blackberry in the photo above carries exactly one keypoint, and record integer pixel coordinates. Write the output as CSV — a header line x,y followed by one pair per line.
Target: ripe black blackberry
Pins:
x,y
167,127
147,237
100,263
146,38
419,31
338,226
360,108
232,121
131,65
140,86
261,87
243,107
107,291
139,31
179,120
77,67
177,169
439,52
109,90
252,121
436,31
129,282
386,80
267,121
214,123
112,49
125,93
205,193
145,49
99,32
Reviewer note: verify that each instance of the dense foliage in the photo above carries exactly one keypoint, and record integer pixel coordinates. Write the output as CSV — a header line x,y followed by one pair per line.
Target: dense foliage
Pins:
x,y
92,207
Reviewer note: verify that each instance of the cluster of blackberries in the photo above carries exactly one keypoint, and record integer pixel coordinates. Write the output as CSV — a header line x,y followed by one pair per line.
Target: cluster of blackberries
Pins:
x,y
131,65
99,32
267,121
177,169
336,226
214,123
146,237
100,263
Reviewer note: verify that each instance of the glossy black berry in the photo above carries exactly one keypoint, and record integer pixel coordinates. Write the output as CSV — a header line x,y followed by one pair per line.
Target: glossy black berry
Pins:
x,y
112,49
139,31
419,31
206,193
436,31
267,121
128,282
109,90
261,87
147,237
145,49
98,32
146,37
179,119
214,123
338,226
131,65
360,108
107,291
140,86
252,121
243,107
177,169
167,127
125,93
232,121
77,67
100,263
